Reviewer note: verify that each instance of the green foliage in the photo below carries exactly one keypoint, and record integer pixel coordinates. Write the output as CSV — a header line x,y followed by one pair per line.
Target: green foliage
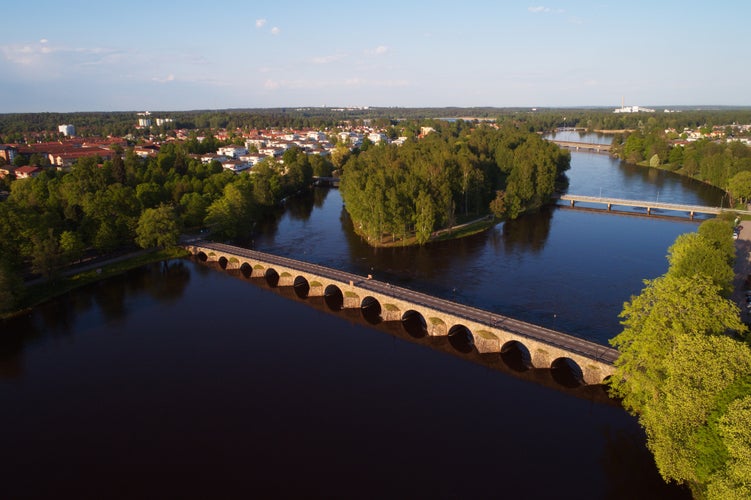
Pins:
x,y
719,233
158,227
693,254
681,370
392,192
739,186
11,288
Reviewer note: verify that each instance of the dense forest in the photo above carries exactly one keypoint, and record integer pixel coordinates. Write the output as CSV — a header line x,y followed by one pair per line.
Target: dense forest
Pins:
x,y
455,173
58,218
685,370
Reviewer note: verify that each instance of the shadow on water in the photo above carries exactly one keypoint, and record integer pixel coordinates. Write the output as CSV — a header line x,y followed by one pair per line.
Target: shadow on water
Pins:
x,y
529,232
621,449
617,453
164,281
515,360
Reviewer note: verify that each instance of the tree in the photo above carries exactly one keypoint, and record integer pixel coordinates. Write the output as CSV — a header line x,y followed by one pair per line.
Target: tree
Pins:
x,y
669,307
694,254
231,215
718,232
158,227
11,287
735,428
71,246
45,257
700,369
739,186
193,207
425,220
118,170
677,363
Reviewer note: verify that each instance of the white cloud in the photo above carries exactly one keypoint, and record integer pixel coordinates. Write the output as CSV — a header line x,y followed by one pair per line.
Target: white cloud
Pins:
x,y
43,40
327,59
260,23
169,78
275,30
354,82
380,50
544,10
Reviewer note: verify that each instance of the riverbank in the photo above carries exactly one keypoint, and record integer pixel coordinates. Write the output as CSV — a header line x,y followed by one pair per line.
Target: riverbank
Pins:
x,y
455,232
42,290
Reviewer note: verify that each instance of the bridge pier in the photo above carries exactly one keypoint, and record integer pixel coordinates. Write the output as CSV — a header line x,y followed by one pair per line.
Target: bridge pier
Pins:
x,y
286,279
316,289
487,331
540,358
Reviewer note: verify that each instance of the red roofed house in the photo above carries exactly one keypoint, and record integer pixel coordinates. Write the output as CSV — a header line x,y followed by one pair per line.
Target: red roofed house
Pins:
x,y
27,172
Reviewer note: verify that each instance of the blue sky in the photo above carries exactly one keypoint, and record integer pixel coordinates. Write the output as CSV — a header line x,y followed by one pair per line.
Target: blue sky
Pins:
x,y
169,55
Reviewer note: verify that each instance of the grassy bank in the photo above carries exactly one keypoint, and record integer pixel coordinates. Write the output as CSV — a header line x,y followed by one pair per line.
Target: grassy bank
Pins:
x,y
42,292
458,231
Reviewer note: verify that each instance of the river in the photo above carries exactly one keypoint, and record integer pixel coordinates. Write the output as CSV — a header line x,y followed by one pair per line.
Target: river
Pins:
x,y
181,380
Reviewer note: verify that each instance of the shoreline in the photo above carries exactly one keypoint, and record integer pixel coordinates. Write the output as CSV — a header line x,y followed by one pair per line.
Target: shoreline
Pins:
x,y
40,290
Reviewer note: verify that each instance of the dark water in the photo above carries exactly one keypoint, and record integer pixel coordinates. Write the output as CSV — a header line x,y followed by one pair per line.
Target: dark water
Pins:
x,y
565,269
181,380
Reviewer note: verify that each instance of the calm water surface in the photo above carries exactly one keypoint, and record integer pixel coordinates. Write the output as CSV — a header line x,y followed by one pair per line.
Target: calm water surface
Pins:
x,y
180,380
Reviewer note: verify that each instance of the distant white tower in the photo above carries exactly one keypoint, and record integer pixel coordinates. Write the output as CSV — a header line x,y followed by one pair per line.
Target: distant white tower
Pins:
x,y
67,130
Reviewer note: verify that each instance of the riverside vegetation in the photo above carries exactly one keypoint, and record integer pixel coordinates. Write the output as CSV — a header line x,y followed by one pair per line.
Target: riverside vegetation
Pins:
x,y
685,370
401,195
59,219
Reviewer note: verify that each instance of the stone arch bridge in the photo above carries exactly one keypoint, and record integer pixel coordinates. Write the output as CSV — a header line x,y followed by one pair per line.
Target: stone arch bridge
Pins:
x,y
466,327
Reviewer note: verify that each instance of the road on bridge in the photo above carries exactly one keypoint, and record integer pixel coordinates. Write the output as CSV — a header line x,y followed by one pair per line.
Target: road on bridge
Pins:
x,y
522,328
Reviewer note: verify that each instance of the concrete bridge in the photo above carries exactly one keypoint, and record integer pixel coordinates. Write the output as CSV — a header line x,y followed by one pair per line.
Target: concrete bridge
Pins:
x,y
467,328
326,181
586,146
691,210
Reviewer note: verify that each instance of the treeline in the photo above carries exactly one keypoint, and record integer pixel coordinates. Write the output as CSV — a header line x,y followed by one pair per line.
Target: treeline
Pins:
x,y
57,218
685,370
458,171
18,127
726,165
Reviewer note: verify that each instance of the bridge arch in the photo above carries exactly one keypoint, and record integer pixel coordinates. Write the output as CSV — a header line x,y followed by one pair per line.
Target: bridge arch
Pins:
x,y
301,287
272,277
333,297
246,270
516,356
461,339
371,310
414,324
567,372
467,331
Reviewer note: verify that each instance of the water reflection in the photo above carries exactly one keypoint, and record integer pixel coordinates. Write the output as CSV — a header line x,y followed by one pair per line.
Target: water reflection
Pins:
x,y
165,282
238,383
528,233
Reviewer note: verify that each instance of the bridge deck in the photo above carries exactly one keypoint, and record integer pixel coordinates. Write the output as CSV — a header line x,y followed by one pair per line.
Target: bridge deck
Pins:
x,y
592,146
551,337
649,205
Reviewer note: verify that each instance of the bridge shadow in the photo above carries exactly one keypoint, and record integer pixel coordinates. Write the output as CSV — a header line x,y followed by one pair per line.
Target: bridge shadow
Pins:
x,y
513,361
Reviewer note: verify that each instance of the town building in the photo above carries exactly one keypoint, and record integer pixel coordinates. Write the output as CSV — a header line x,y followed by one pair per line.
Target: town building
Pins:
x,y
67,130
